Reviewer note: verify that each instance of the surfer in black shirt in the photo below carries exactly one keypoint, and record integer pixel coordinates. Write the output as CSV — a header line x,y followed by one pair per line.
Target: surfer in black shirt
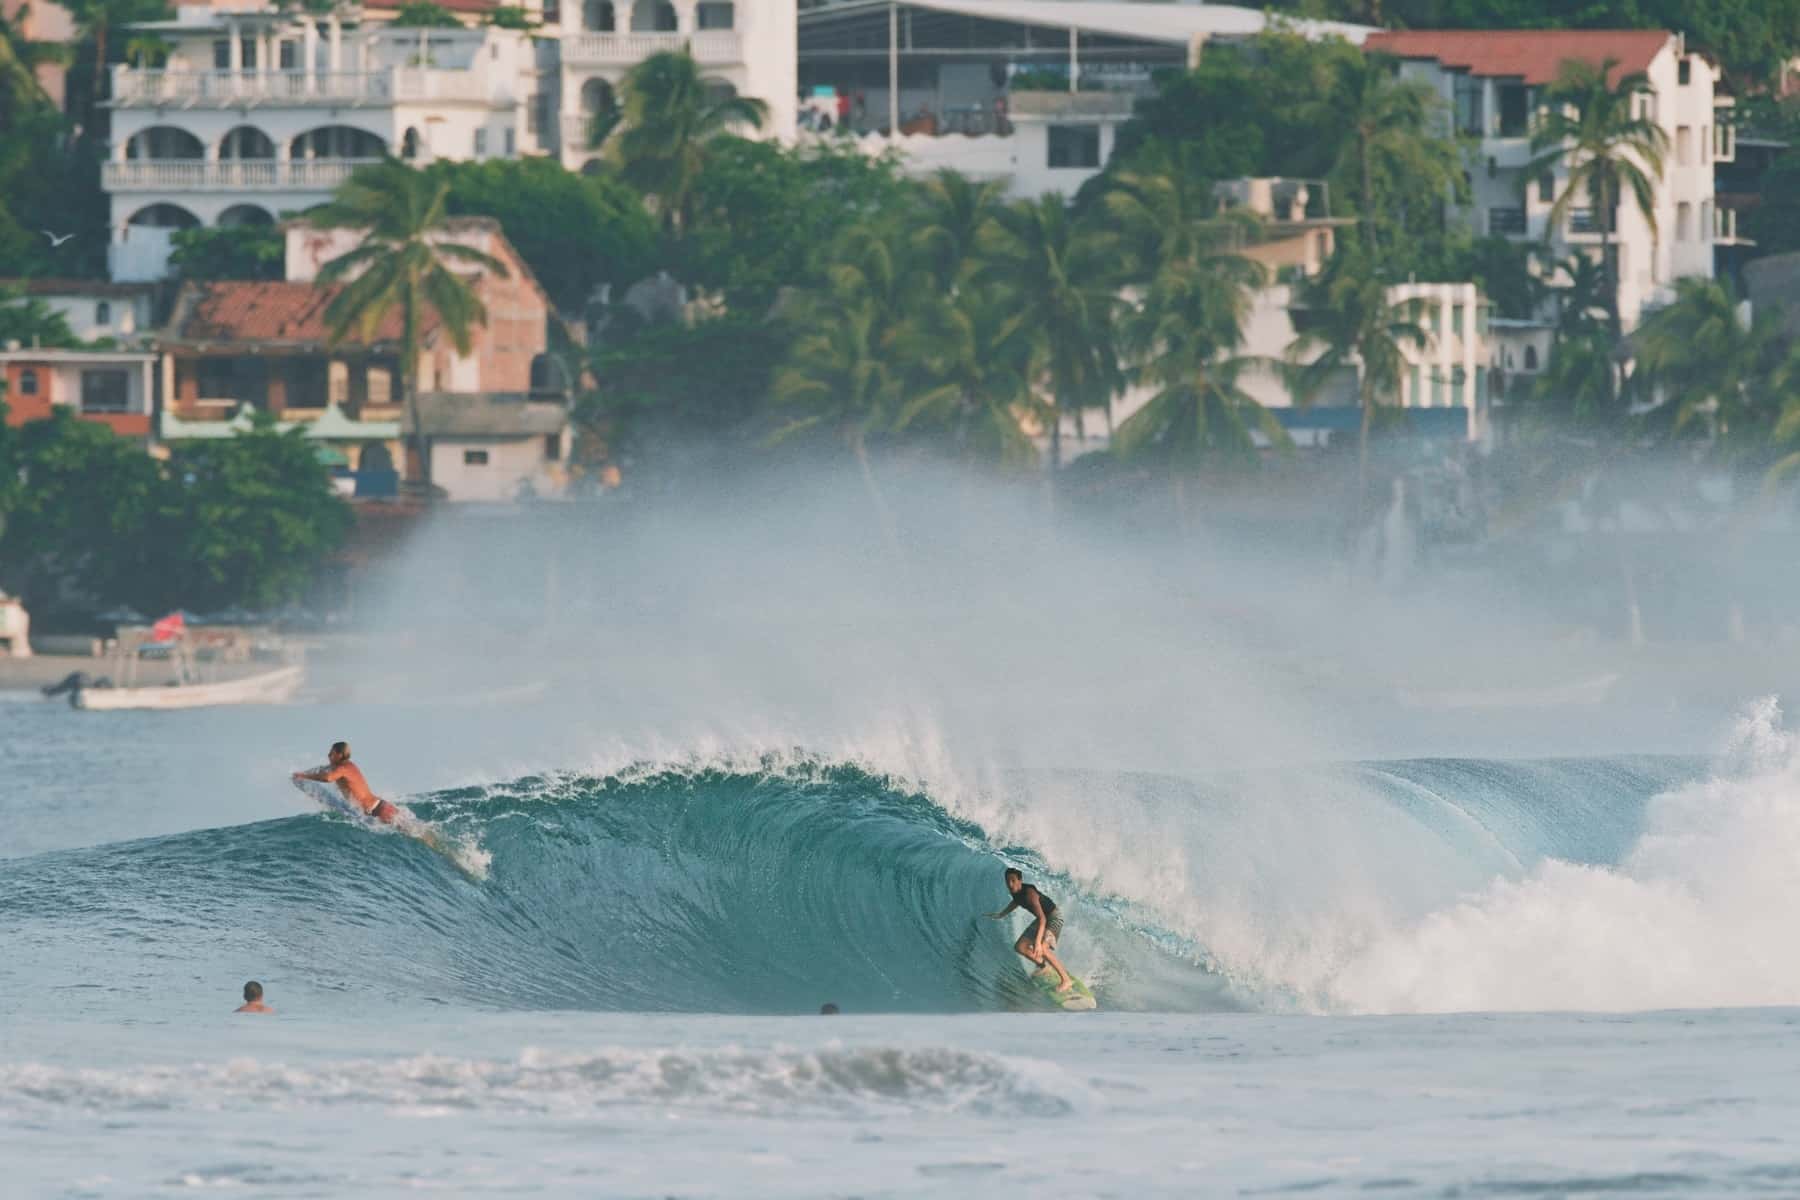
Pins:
x,y
1037,944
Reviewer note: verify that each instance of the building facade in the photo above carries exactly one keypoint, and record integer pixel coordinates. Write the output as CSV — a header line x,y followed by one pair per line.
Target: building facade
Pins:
x,y
115,388
1492,84
258,113
121,313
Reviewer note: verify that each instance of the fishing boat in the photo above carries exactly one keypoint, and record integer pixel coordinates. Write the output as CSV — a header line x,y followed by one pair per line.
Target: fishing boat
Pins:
x,y
196,683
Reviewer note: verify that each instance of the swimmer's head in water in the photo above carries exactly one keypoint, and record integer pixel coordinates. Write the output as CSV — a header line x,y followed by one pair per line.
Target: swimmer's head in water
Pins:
x,y
252,992
340,752
1015,879
828,1009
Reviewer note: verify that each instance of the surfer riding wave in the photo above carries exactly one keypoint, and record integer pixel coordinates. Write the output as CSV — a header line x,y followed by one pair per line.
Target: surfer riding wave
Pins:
x,y
349,780
1037,944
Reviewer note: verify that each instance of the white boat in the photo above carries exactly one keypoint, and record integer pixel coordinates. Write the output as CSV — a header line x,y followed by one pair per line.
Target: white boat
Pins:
x,y
268,687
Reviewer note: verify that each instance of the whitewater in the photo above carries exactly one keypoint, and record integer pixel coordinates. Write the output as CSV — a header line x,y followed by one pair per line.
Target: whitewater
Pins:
x,y
1347,935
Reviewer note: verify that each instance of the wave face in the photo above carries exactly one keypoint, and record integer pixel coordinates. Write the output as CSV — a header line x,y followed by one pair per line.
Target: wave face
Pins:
x,y
773,885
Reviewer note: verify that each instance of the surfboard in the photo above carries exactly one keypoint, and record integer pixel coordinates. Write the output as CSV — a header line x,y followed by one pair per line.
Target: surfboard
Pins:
x,y
1079,998
425,833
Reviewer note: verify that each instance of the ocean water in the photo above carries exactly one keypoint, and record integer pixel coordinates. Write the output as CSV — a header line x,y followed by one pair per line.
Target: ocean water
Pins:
x,y
1417,976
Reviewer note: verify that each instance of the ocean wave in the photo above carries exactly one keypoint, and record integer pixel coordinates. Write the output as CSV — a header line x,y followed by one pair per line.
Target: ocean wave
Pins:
x,y
860,1081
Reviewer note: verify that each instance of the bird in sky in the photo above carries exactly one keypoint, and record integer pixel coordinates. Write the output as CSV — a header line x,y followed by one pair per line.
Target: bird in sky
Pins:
x,y
56,239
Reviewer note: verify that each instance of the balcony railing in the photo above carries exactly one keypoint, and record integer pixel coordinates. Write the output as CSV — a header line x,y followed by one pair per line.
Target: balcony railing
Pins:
x,y
1505,222
243,174
134,87
710,47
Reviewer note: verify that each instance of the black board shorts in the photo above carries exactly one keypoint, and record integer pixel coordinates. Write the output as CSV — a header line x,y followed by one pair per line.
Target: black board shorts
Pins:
x,y
1055,934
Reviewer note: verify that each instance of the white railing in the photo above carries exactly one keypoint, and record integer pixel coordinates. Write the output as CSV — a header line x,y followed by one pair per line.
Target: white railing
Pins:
x,y
243,174
194,89
710,47
576,130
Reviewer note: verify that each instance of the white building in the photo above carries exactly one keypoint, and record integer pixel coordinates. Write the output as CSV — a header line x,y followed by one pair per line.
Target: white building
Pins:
x,y
1492,81
259,112
124,313
743,47
1016,90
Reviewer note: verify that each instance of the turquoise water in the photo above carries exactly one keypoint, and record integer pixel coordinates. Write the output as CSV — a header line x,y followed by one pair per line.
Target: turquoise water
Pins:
x,y
624,1005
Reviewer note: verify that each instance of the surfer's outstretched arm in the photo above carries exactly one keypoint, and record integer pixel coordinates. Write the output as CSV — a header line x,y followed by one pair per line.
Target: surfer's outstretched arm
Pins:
x,y
995,916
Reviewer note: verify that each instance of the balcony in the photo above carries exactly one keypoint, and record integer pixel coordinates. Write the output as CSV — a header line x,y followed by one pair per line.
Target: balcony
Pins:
x,y
1725,228
244,174
137,88
710,47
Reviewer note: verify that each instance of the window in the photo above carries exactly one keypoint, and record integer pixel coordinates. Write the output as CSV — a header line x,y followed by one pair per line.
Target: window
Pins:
x,y
289,55
1531,358
1503,221
102,313
218,379
1493,166
1546,188
511,142
1470,116
1074,146
1684,72
105,391
1684,145
481,143
1514,102
552,447
28,381
474,458
222,55
247,53
1684,221
715,15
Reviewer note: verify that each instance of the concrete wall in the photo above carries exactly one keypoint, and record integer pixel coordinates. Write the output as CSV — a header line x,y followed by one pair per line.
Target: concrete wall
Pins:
x,y
511,464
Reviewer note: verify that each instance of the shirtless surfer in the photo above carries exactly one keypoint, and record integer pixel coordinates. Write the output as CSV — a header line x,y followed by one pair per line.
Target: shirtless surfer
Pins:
x,y
350,781
1037,944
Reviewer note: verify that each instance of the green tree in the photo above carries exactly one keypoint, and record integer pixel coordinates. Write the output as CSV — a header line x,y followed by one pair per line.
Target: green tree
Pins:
x,y
820,191
511,16
685,383
668,120
31,322
1401,166
972,355
252,518
404,265
1581,386
1184,335
1589,128
576,232
97,20
1062,280
1350,324
954,224
1774,223
1720,375
87,526
422,14
229,252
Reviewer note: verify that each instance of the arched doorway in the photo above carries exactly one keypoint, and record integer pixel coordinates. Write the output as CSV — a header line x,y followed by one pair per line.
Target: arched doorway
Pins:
x,y
164,142
246,141
337,142
164,216
597,16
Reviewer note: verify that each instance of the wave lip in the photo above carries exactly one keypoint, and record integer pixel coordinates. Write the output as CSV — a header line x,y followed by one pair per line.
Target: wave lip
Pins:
x,y
858,1081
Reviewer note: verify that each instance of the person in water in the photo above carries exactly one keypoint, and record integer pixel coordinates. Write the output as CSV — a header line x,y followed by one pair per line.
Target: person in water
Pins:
x,y
349,778
253,1001
1037,944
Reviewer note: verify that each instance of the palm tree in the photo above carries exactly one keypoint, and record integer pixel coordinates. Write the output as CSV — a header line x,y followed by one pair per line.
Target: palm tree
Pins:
x,y
1387,134
1723,375
1184,334
145,49
1590,130
973,355
1351,324
954,224
1062,278
1582,383
404,262
667,117
1164,210
97,19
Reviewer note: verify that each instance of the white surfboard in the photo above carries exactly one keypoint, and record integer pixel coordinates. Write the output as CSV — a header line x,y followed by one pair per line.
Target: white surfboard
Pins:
x,y
472,863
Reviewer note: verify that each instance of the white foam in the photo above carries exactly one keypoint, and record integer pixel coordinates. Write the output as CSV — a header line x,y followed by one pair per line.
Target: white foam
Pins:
x,y
857,1081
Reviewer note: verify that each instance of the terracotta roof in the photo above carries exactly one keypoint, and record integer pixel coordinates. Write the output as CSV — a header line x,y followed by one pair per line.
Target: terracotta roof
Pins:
x,y
242,311
1533,55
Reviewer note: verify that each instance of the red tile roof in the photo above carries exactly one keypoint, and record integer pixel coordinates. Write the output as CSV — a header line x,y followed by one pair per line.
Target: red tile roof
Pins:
x,y
240,311
1533,55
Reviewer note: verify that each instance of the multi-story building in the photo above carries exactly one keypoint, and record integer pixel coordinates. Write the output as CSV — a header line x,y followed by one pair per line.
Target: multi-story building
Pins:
x,y
746,48
236,349
1031,94
259,112
1492,83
